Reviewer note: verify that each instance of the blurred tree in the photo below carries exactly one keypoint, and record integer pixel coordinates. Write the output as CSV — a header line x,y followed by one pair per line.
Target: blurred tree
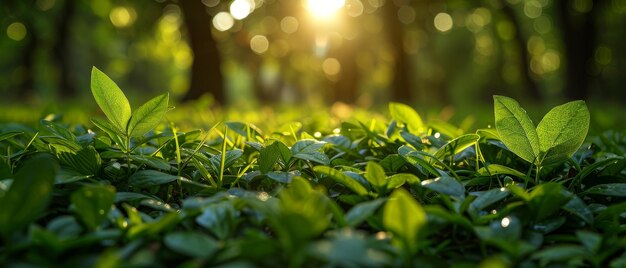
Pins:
x,y
401,87
577,21
206,73
61,49
519,40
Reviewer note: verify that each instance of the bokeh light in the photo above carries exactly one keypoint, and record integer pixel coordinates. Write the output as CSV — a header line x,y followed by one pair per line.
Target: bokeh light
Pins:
x,y
240,9
16,31
443,22
123,16
259,44
223,21
324,9
331,66
289,24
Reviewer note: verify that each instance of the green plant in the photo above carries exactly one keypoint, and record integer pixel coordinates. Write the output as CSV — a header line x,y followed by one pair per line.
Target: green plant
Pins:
x,y
403,192
557,137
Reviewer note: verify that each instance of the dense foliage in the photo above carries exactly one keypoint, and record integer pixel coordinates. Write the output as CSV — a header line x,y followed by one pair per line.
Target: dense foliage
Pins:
x,y
130,192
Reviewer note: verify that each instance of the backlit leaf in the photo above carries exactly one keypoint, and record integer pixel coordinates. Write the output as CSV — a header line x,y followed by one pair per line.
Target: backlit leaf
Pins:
x,y
404,217
562,131
515,128
111,99
148,116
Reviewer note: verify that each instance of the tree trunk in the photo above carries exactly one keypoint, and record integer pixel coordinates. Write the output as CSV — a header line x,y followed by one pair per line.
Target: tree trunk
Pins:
x,y
206,73
401,85
60,50
345,89
530,84
26,87
579,40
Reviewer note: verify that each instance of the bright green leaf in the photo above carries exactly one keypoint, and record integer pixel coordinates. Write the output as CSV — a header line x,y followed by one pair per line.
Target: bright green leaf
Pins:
x,y
111,99
404,217
562,131
405,114
344,179
148,116
456,146
375,175
515,128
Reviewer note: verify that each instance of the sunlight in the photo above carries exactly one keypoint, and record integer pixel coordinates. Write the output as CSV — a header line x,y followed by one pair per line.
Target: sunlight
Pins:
x,y
324,9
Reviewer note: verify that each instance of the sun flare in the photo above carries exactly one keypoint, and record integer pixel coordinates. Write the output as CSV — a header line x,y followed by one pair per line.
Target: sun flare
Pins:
x,y
324,9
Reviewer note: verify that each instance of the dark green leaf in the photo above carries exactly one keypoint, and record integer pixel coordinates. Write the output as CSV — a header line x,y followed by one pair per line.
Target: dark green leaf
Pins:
x,y
193,244
29,194
610,189
282,176
445,185
272,154
92,203
362,211
148,178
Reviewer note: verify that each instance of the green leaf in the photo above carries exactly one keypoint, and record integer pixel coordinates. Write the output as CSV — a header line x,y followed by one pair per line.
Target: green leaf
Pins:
x,y
404,217
560,253
148,178
591,241
231,157
445,185
375,175
244,129
515,128
309,150
194,244
93,203
219,219
609,189
578,207
416,159
10,134
282,176
272,154
148,116
29,194
362,211
111,131
153,162
489,198
546,199
495,169
456,146
344,179
111,99
405,114
562,131
85,161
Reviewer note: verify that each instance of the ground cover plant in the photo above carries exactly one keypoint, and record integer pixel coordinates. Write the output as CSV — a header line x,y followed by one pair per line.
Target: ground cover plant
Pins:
x,y
131,190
